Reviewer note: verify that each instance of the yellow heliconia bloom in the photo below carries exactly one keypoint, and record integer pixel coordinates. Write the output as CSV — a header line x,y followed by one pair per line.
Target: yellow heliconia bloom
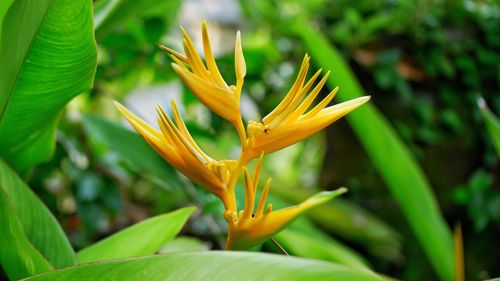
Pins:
x,y
250,228
289,122
176,146
206,82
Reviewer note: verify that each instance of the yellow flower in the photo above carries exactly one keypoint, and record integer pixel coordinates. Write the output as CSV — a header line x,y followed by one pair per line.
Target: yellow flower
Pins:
x,y
250,228
289,123
176,146
206,82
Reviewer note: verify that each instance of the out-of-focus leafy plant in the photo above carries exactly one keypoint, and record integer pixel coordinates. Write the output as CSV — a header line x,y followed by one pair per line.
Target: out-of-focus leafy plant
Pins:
x,y
343,219
127,33
481,200
424,83
492,124
389,154
115,14
425,61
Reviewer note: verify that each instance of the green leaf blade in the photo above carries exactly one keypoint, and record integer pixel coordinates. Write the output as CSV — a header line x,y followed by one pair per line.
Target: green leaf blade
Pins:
x,y
18,257
39,225
209,266
51,61
143,238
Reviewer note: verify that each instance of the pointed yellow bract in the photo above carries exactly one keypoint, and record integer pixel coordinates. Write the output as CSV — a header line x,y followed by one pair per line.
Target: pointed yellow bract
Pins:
x,y
206,82
290,122
177,147
252,228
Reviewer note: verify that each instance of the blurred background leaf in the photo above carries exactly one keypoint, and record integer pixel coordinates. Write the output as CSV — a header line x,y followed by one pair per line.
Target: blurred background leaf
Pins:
x,y
399,170
111,13
492,124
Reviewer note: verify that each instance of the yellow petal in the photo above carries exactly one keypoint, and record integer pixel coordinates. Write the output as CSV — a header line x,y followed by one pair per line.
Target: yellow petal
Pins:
x,y
296,100
219,100
339,110
263,198
209,57
249,196
153,137
308,100
196,65
180,140
182,127
206,82
138,124
297,85
194,58
273,139
177,149
174,54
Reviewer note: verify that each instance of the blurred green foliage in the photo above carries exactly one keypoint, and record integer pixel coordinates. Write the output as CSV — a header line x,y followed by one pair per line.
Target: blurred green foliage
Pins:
x,y
424,62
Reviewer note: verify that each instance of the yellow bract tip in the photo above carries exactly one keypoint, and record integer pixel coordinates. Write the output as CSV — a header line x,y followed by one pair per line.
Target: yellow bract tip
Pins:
x,y
240,65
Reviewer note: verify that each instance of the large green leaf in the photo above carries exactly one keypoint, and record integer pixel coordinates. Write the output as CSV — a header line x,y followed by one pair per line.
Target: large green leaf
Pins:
x,y
38,224
18,257
209,266
48,56
390,156
130,146
143,238
492,124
